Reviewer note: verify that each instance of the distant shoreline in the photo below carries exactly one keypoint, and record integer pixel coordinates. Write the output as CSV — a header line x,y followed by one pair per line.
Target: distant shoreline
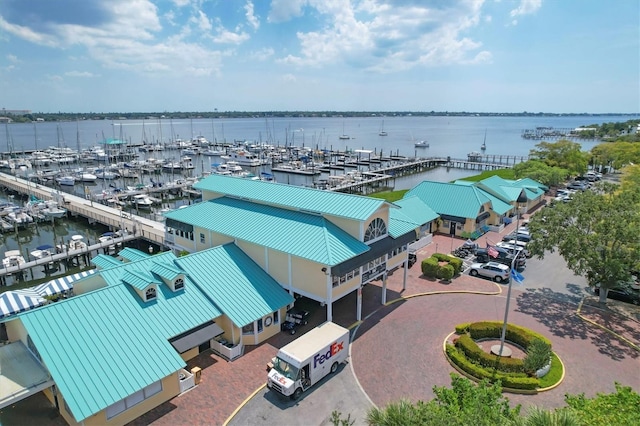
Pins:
x,y
28,116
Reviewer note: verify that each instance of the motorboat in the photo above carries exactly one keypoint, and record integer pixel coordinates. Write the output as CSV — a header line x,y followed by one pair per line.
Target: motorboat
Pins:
x,y
107,175
49,208
422,144
142,200
86,177
77,243
13,258
43,251
66,180
18,217
244,158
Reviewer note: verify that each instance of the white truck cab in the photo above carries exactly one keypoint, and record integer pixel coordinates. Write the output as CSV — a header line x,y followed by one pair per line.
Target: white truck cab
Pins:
x,y
305,361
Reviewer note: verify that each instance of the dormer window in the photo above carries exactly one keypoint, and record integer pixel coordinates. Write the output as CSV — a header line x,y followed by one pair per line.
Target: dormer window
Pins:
x,y
150,294
178,284
376,229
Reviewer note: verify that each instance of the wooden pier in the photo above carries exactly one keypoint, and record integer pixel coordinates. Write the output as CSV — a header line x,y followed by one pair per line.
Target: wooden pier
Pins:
x,y
137,226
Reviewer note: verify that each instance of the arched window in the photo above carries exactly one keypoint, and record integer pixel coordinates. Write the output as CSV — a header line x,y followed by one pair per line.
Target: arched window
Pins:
x,y
376,229
178,284
150,294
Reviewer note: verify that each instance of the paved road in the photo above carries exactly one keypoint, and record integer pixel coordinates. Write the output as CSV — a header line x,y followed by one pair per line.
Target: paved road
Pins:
x,y
339,392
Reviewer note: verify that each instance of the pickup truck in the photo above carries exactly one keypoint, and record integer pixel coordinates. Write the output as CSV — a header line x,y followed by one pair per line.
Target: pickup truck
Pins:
x,y
504,256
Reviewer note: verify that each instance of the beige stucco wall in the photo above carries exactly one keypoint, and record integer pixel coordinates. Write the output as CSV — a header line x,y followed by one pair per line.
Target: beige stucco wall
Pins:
x,y
346,288
210,195
16,331
309,277
191,353
255,252
352,227
278,266
170,388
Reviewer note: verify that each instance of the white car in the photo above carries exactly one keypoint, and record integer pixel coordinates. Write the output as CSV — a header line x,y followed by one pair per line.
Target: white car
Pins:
x,y
513,245
493,270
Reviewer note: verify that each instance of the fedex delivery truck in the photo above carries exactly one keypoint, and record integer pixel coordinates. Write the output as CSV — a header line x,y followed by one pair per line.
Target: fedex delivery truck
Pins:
x,y
305,361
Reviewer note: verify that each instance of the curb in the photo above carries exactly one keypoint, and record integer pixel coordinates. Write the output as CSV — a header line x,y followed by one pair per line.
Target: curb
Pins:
x,y
608,330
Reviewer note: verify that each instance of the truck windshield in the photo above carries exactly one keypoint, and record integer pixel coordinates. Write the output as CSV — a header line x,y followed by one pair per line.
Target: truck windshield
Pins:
x,y
284,368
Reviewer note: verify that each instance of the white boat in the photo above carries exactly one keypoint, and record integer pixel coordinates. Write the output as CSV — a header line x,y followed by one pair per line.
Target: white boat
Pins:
x,y
77,243
422,144
86,177
142,200
12,258
107,175
244,158
18,217
382,131
230,167
43,251
47,208
66,180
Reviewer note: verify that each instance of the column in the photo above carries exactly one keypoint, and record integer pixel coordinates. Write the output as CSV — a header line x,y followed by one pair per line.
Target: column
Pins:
x,y
359,304
404,274
329,299
384,288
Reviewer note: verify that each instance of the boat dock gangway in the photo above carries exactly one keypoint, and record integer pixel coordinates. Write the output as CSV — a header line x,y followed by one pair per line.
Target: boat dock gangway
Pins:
x,y
115,218
89,251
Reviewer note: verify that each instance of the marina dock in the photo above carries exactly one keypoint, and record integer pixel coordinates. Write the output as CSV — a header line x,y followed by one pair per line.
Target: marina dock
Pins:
x,y
137,226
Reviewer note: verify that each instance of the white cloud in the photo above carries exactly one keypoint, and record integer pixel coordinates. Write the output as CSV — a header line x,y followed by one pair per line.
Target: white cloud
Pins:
x,y
262,54
181,3
13,58
252,19
526,7
385,37
225,36
284,10
203,22
82,74
289,78
54,78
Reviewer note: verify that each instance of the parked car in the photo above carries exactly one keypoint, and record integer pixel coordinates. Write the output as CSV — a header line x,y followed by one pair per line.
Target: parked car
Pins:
x,y
513,245
504,257
578,185
623,294
493,270
412,259
519,236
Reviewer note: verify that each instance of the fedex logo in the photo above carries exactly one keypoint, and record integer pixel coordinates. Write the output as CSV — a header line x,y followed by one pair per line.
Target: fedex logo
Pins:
x,y
333,349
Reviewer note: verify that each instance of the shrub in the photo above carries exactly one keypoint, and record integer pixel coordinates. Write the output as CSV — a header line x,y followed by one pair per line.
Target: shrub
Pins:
x,y
476,355
519,335
456,262
538,355
445,272
462,328
430,267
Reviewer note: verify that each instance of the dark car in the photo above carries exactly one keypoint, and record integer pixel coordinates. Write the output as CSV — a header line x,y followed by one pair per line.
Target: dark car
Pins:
x,y
517,236
412,259
623,294
504,257
578,185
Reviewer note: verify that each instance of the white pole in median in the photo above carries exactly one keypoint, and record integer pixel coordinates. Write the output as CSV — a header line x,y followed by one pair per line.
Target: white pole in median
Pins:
x,y
506,309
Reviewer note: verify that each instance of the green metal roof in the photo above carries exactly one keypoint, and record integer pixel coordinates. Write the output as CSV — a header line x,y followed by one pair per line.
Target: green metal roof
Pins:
x,y
139,279
400,226
132,254
449,198
240,287
166,270
305,235
100,348
497,205
339,204
114,274
103,261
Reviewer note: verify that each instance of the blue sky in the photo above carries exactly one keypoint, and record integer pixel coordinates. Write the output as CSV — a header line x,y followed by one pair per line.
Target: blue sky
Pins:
x,y
342,55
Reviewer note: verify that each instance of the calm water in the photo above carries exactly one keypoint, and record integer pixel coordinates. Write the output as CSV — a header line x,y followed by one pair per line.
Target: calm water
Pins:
x,y
447,136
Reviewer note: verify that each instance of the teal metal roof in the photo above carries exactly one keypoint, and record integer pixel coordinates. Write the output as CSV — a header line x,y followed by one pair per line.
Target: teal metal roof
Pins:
x,y
497,205
294,197
114,274
132,254
399,226
139,279
240,287
166,270
304,235
103,261
112,141
528,182
415,209
100,348
449,198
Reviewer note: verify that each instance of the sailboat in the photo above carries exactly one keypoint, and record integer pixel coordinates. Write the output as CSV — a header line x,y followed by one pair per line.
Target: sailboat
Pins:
x,y
382,131
344,135
483,147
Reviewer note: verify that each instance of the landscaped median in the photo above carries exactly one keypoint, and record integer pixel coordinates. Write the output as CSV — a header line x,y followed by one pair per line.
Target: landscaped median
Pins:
x,y
539,370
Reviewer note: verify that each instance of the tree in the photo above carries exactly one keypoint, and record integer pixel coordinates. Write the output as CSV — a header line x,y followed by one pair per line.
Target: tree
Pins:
x,y
619,408
617,154
564,154
465,403
539,171
596,233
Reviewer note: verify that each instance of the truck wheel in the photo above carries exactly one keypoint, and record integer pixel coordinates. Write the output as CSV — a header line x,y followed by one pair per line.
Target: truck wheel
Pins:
x,y
292,331
296,395
334,367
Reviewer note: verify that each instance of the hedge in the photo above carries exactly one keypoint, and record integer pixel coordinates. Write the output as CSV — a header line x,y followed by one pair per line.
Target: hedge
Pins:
x,y
477,356
493,329
513,382
431,266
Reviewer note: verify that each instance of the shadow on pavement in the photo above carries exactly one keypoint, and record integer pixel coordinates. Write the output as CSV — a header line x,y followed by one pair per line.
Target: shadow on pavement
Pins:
x,y
558,313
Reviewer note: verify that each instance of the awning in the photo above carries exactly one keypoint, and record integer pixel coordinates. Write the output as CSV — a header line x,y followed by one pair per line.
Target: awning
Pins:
x,y
22,375
180,226
62,284
16,301
377,249
196,336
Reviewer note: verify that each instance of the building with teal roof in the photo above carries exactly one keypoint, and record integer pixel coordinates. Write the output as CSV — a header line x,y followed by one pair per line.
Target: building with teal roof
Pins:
x,y
468,209
319,244
119,347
